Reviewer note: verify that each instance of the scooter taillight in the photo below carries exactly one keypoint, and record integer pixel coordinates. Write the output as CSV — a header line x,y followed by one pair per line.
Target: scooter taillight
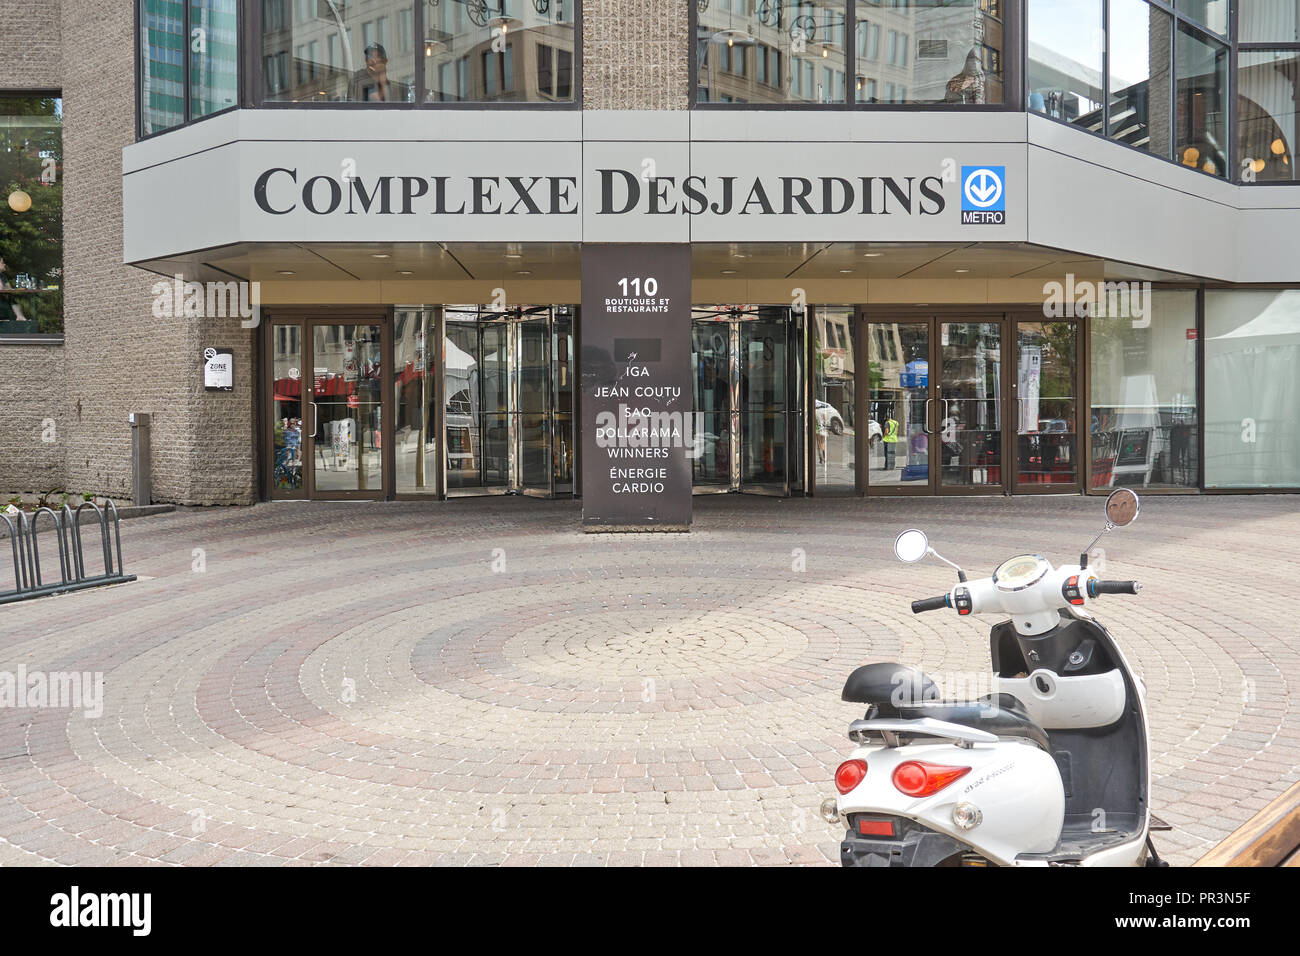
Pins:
x,y
916,778
849,774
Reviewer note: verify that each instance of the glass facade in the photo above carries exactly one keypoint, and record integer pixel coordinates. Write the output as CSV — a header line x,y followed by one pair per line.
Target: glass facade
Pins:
x,y
202,35
835,397
31,214
415,400
1252,391
1144,426
1201,101
1268,21
1139,75
1066,49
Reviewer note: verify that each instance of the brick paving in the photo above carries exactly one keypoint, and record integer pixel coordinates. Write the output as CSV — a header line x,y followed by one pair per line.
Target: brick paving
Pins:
x,y
477,682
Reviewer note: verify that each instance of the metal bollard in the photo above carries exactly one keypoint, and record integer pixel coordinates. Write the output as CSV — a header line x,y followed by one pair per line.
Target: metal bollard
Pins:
x,y
141,467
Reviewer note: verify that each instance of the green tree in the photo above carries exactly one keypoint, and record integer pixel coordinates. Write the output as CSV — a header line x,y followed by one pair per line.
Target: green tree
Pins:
x,y
31,242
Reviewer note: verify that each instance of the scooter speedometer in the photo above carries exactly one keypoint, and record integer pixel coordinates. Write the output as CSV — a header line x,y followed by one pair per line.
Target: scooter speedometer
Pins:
x,y
1020,572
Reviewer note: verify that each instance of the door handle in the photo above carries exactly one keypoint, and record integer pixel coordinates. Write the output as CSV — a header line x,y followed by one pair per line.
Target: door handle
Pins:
x,y
315,419
926,427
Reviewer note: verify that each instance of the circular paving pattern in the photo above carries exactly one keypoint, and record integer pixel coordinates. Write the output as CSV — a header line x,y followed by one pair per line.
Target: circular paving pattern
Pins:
x,y
479,682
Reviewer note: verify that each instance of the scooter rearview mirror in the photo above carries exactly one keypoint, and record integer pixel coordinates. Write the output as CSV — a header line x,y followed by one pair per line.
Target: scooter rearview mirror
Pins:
x,y
911,546
1122,507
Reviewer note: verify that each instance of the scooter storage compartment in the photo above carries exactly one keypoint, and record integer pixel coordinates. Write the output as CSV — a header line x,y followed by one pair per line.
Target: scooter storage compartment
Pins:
x,y
1068,703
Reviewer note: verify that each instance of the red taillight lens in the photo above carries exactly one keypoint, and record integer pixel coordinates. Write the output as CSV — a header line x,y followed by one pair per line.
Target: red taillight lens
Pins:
x,y
849,774
916,778
876,827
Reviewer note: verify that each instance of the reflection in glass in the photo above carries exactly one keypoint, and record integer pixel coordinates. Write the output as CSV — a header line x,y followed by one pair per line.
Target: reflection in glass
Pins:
x,y
776,52
1268,21
711,374
514,51
834,394
346,377
918,51
286,378
969,414
214,56
1143,382
325,51
1210,13
162,59
763,402
31,214
1268,114
1046,373
415,440
1200,103
1066,46
898,369
1140,76
1252,391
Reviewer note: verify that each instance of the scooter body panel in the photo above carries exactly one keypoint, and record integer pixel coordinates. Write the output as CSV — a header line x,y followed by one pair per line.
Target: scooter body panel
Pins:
x,y
1015,786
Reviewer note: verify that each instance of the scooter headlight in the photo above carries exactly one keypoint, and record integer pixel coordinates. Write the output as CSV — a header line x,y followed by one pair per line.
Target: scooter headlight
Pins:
x,y
967,816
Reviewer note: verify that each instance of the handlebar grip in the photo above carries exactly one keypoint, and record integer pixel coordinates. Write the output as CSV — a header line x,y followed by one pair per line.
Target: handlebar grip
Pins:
x,y
930,604
1096,587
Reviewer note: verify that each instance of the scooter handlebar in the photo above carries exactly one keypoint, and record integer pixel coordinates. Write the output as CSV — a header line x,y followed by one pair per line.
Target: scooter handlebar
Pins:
x,y
930,604
1097,587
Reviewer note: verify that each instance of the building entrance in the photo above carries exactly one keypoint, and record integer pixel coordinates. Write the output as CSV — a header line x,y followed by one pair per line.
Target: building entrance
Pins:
x,y
748,396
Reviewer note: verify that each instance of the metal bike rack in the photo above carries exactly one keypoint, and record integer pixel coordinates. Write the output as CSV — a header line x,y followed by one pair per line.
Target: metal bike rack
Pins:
x,y
29,580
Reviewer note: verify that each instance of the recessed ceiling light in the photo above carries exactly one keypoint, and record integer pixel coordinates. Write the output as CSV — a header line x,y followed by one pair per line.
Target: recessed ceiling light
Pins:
x,y
872,255
524,272
845,272
380,255
728,272
405,272
740,255
513,255
963,270
287,272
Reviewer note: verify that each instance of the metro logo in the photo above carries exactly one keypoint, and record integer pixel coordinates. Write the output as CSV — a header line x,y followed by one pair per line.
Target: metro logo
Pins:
x,y
983,195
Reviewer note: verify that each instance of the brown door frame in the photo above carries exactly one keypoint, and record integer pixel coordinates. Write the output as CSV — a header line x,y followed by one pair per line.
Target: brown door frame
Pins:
x,y
1082,445
307,318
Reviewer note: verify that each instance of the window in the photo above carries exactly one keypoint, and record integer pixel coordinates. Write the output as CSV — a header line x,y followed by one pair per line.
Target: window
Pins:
x,y
31,224
200,37
1140,75
1066,48
1268,114
957,57
1209,13
1200,103
1144,424
1268,21
1252,394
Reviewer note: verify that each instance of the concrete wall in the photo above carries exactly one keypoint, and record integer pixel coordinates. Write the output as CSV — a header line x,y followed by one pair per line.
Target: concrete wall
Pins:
x,y
32,449
31,48
635,54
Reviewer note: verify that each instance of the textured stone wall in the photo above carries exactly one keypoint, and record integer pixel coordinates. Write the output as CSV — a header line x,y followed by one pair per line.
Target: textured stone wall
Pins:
x,y
635,54
32,450
31,50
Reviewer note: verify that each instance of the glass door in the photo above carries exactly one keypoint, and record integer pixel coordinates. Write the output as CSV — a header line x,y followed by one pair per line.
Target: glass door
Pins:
x,y
898,407
532,360
764,405
325,408
934,406
711,374
343,450
1046,391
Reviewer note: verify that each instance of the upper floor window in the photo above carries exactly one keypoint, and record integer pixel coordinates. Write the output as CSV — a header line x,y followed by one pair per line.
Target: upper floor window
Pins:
x,y
417,51
1268,90
189,61
31,213
1156,80
835,53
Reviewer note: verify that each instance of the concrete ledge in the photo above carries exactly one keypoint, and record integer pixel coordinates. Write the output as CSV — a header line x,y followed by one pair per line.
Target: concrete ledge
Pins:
x,y
89,517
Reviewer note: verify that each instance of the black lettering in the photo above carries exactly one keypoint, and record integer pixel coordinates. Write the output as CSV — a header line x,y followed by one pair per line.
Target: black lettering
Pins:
x,y
259,191
523,192
561,193
931,192
381,190
866,194
309,195
904,198
828,203
757,195
440,198
409,193
483,194
725,208
659,194
607,192
791,197
693,194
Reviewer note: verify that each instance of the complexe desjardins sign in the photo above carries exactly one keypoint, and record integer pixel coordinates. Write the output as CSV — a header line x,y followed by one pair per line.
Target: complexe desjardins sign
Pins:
x,y
280,191
637,422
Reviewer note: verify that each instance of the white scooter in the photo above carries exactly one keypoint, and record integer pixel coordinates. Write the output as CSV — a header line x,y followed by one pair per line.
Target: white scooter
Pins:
x,y
1051,768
